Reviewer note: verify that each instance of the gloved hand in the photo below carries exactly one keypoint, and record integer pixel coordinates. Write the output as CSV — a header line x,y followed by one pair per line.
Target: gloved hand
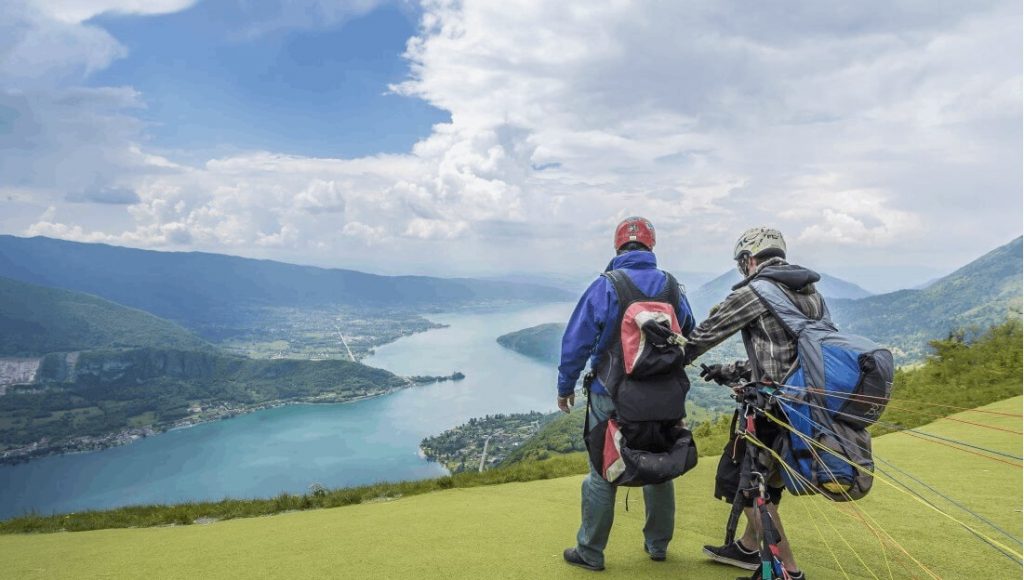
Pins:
x,y
716,373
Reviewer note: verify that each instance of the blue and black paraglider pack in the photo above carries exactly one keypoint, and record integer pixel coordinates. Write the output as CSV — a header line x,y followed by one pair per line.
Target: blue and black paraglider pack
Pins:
x,y
839,386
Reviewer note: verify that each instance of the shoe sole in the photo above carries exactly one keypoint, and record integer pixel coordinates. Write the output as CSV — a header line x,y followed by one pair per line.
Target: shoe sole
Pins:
x,y
730,561
585,566
660,558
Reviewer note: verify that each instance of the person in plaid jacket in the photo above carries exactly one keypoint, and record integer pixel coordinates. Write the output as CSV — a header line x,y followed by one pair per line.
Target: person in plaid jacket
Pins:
x,y
760,252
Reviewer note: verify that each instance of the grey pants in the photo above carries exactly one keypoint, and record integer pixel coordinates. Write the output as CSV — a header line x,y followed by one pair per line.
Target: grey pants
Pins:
x,y
598,505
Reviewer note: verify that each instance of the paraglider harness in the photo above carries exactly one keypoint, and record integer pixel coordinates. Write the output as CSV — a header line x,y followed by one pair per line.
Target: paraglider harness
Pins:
x,y
624,460
767,455
644,442
752,400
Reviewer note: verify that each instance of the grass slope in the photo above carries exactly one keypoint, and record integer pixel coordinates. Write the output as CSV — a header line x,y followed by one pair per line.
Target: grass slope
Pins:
x,y
518,530
36,320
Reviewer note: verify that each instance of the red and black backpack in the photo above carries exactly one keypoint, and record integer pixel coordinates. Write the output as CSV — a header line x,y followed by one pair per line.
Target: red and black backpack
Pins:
x,y
644,441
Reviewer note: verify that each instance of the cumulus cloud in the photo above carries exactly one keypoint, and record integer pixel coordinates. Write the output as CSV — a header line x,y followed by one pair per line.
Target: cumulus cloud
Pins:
x,y
875,125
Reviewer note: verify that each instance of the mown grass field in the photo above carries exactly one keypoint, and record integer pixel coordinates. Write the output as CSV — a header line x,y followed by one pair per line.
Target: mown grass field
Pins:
x,y
518,530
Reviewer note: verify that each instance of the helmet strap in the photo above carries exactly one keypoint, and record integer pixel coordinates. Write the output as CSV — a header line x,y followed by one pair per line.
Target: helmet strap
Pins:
x,y
743,264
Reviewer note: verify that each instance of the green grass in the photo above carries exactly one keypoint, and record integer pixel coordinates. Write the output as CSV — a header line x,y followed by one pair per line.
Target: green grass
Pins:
x,y
518,530
188,513
958,375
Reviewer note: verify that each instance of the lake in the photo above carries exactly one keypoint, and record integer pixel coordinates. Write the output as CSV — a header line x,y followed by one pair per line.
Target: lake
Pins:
x,y
287,449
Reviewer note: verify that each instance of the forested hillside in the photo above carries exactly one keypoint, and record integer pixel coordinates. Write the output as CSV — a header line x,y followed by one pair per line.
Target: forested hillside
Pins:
x,y
35,320
542,342
103,398
985,292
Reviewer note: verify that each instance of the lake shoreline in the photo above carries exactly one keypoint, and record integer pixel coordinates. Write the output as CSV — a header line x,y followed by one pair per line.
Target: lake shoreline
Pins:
x,y
91,444
284,450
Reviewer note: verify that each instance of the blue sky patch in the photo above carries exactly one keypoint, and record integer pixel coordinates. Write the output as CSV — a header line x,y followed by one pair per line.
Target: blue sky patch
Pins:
x,y
209,81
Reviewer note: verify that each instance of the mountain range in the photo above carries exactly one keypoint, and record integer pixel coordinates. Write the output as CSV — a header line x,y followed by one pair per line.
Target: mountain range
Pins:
x,y
713,292
195,288
981,294
79,372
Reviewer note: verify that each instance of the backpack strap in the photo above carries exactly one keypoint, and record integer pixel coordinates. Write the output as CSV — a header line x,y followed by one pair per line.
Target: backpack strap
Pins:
x,y
672,290
628,293
756,372
784,309
625,290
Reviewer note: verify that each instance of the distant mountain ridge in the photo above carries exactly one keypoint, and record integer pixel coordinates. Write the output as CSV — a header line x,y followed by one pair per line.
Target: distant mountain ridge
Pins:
x,y
35,320
983,293
194,288
704,298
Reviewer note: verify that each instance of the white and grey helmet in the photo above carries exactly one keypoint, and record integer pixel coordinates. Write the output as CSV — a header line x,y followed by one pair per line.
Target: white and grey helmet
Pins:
x,y
759,242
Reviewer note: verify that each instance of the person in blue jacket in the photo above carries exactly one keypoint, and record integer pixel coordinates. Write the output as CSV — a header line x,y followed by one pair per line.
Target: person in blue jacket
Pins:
x,y
588,336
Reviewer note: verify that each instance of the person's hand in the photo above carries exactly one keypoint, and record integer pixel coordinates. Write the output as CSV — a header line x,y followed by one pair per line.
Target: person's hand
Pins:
x,y
713,373
565,403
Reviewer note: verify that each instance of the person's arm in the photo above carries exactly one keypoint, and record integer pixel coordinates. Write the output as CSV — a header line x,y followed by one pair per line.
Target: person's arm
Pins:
x,y
737,310
582,334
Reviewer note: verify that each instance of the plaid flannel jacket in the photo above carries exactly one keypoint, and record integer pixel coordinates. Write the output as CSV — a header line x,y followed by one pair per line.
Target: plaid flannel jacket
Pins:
x,y
742,309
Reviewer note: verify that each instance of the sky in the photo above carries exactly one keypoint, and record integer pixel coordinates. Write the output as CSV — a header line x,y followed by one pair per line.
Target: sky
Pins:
x,y
884,138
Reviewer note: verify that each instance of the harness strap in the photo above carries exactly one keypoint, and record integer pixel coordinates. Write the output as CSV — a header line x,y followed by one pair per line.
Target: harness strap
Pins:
x,y
588,379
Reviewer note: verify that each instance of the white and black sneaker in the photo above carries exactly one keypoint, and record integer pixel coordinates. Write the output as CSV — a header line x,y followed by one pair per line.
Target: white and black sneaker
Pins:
x,y
734,554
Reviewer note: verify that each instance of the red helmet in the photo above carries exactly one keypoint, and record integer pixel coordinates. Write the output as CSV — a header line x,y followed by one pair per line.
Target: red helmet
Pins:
x,y
634,229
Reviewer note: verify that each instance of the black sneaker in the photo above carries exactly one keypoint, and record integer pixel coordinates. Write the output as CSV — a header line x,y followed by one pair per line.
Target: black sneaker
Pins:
x,y
734,555
573,557
655,557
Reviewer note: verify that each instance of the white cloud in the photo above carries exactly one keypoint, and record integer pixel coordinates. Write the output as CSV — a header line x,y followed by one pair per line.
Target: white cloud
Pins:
x,y
876,125
435,229
75,11
73,142
37,50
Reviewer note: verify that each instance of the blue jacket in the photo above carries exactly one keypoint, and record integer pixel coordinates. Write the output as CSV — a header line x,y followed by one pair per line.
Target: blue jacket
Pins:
x,y
591,329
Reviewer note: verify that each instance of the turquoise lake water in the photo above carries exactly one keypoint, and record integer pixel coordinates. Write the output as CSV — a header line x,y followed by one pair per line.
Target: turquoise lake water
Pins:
x,y
289,448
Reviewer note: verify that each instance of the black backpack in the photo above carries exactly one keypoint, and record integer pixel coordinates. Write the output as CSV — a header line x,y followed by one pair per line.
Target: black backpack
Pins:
x,y
644,441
